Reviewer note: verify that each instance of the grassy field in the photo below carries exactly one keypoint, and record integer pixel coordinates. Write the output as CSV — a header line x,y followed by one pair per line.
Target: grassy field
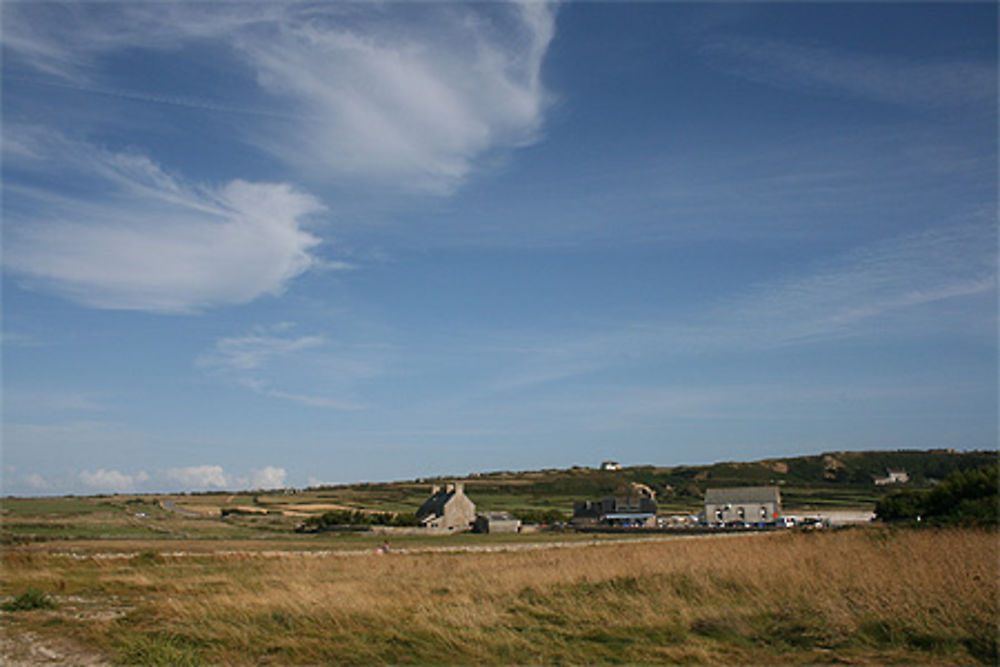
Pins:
x,y
864,595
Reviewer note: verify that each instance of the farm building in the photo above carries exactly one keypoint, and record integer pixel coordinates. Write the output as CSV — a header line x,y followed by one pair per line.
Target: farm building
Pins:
x,y
611,465
638,510
743,504
448,509
497,522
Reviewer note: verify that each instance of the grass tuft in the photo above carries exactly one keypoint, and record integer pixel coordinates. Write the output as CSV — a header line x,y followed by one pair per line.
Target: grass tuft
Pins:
x,y
147,558
29,600
155,649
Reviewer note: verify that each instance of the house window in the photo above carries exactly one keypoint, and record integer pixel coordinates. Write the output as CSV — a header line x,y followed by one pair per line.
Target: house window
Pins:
x,y
763,512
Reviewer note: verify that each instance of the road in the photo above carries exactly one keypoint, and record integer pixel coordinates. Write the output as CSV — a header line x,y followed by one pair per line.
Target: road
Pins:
x,y
169,506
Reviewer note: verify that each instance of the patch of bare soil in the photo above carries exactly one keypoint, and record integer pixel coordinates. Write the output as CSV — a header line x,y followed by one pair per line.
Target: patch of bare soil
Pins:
x,y
24,647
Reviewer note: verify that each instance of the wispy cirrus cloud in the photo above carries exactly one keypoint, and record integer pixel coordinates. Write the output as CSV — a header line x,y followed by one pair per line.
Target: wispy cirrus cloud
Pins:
x,y
133,237
929,83
861,291
409,107
909,286
410,99
251,361
252,351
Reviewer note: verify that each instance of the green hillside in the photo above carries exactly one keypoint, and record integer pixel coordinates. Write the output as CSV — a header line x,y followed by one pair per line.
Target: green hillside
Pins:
x,y
834,479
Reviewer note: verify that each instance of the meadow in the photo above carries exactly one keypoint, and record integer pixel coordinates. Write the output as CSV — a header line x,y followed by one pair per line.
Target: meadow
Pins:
x,y
870,595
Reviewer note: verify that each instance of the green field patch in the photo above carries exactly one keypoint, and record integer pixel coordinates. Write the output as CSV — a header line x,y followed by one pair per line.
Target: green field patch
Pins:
x,y
56,506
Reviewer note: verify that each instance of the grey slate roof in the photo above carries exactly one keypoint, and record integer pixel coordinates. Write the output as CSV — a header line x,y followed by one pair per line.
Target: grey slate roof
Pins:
x,y
742,495
434,506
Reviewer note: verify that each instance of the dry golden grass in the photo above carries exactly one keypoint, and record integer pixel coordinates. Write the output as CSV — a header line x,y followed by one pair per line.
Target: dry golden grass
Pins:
x,y
861,595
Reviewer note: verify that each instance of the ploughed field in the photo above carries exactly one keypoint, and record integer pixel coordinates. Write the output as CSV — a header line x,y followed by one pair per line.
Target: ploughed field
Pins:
x,y
862,595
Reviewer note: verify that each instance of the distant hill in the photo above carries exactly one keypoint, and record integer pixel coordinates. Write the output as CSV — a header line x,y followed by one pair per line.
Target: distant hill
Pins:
x,y
845,479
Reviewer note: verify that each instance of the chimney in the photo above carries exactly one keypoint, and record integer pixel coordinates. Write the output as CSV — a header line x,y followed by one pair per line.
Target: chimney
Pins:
x,y
460,487
435,490
450,488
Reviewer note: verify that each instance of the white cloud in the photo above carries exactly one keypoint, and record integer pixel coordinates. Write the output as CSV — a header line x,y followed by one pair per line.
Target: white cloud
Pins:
x,y
215,477
268,477
409,107
36,482
150,242
112,480
405,96
199,477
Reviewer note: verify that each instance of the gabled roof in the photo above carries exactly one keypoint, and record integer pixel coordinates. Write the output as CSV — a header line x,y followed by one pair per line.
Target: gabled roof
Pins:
x,y
434,506
742,495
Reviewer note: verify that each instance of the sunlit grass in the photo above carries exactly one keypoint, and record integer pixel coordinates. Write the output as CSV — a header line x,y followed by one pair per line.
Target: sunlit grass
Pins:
x,y
869,595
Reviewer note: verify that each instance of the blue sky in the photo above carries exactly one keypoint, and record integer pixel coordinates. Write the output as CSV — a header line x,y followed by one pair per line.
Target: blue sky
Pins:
x,y
255,245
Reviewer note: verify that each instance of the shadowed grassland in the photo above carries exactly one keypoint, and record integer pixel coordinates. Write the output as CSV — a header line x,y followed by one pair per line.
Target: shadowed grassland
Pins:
x,y
860,595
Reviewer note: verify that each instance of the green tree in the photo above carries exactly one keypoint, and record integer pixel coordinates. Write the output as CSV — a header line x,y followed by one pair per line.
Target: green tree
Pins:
x,y
965,498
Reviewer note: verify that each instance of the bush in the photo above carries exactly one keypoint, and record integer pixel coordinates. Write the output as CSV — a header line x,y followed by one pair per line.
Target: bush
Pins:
x,y
32,599
358,518
156,649
966,498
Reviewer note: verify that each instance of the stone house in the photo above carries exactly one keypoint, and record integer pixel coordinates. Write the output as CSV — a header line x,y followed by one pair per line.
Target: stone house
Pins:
x,y
448,509
743,504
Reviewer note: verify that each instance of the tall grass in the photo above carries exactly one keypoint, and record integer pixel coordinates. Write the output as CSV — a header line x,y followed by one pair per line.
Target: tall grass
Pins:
x,y
870,595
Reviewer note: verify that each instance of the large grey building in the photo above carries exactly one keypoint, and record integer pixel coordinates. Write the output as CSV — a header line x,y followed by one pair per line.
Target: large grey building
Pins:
x,y
448,509
743,504
632,510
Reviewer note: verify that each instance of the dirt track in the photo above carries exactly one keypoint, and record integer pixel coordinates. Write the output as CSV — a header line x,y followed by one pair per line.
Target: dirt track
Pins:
x,y
478,548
